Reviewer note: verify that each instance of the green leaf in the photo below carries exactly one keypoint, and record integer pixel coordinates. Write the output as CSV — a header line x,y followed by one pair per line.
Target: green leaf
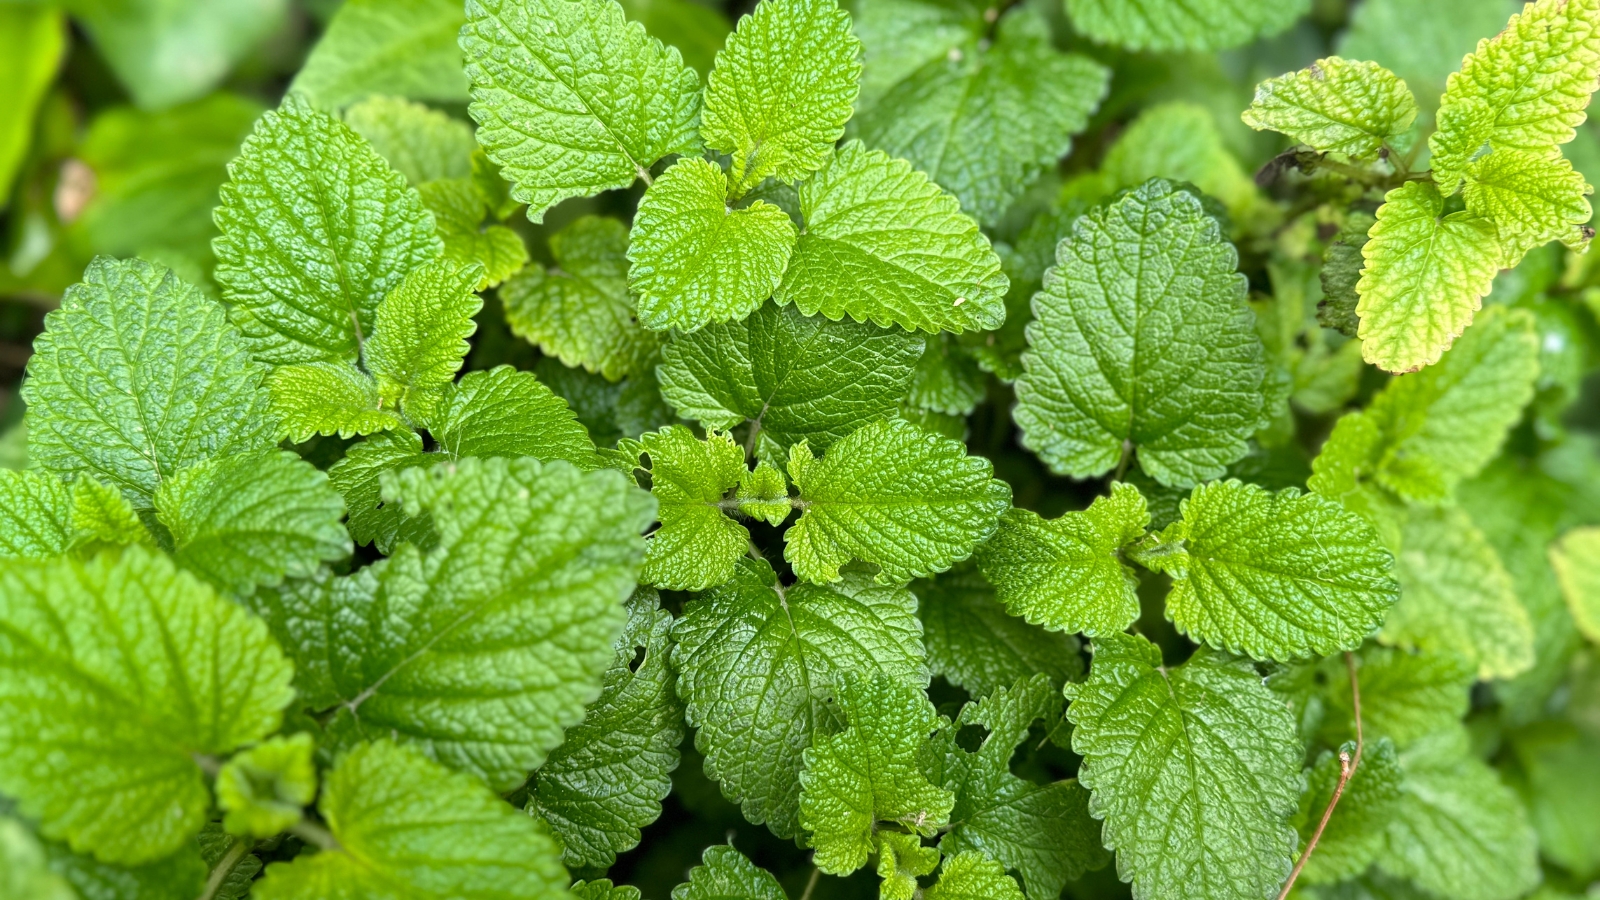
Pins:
x,y
1404,696
883,243
42,517
910,502
781,90
357,477
764,494
406,826
697,31
421,330
973,876
973,644
214,845
504,412
694,260
251,520
458,206
726,875
948,380
1181,25
1455,595
1576,559
743,645
1335,105
1142,335
697,545
572,99
1561,764
1354,835
1185,760
406,48
1531,201
604,890
1457,831
1341,271
1426,274
420,143
1277,576
327,397
608,778
316,229
981,118
901,860
1523,89
136,376
485,648
117,671
1043,832
870,773
33,40
579,310
798,378
24,868
262,789
1422,41
1067,573
180,876
1179,141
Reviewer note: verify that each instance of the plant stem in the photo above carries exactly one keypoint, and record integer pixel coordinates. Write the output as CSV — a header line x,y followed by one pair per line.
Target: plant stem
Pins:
x,y
1122,464
312,833
811,885
1347,768
224,867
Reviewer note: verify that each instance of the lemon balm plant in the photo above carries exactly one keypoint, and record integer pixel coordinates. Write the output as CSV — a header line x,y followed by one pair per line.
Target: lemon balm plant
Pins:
x,y
901,502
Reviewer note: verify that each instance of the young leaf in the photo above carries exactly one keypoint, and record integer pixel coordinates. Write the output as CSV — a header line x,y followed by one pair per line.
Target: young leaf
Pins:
x,y
1274,575
1457,831
694,260
251,520
402,47
1043,832
1335,105
870,773
781,90
725,873
973,644
504,412
1524,89
973,876
608,778
890,494
43,517
764,494
1142,336
421,330
901,860
579,309
982,119
138,375
1576,559
459,206
406,826
262,789
420,143
742,646
697,544
797,378
1531,201
1185,760
1067,574
116,673
1181,25
1355,834
604,890
882,243
327,397
483,650
357,477
1426,274
316,229
572,99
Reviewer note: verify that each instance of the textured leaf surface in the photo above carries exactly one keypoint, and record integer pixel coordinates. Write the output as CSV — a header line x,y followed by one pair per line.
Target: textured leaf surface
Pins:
x,y
358,476
781,90
505,412
1422,41
608,778
408,827
1184,761
870,773
726,875
136,376
1530,200
328,397
483,650
41,516
1405,696
1426,274
884,244
316,229
974,644
757,668
982,120
910,502
250,520
422,144
421,331
579,309
1067,573
1142,335
1355,834
262,789
1576,558
697,544
572,99
901,860
694,260
1181,25
1335,105
973,876
116,671
799,378
459,206
764,494
405,48
1273,575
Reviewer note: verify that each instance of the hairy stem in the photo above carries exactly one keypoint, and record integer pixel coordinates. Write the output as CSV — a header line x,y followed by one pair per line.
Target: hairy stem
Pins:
x,y
312,833
224,867
1347,768
1122,464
